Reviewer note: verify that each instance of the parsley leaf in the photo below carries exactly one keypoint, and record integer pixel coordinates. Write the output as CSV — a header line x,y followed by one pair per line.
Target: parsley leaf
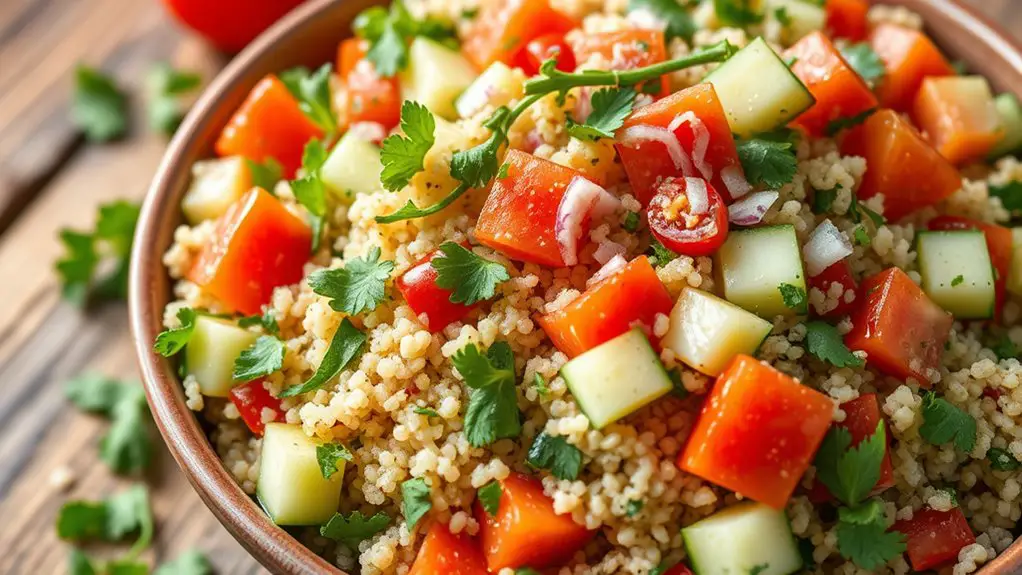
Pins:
x,y
476,166
634,507
266,321
310,191
346,343
738,13
88,255
471,278
492,412
850,473
539,382
428,412
79,564
661,256
328,454
165,86
631,222
957,280
866,63
861,237
1010,195
172,340
856,210
191,562
312,90
794,297
679,22
127,446
357,287
355,528
767,162
824,341
264,175
555,454
99,108
404,156
416,500
110,520
489,496
390,33
862,536
823,200
1002,460
264,357
846,122
944,422
610,108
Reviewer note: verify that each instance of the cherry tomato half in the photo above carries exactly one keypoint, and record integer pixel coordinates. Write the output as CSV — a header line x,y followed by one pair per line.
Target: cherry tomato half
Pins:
x,y
545,47
672,222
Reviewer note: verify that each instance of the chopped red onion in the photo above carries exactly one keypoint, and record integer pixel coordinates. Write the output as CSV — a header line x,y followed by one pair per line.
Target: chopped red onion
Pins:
x,y
368,131
750,210
735,182
583,104
698,195
613,265
826,246
700,140
607,250
634,135
581,198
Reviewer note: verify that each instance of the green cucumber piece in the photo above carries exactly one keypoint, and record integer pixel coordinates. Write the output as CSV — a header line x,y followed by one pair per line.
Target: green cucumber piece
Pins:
x,y
957,273
211,351
1010,112
1014,283
291,487
353,167
754,263
435,76
616,378
758,91
744,538
496,86
216,185
803,18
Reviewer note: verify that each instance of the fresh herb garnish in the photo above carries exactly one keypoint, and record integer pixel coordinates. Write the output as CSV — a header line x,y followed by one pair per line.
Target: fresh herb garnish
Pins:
x,y
676,17
390,33
856,210
111,520
328,454
866,63
944,422
737,13
471,278
782,16
863,538
860,236
823,200
87,255
957,280
428,412
634,507
1002,460
127,446
404,156
262,358
850,473
631,222
344,346
191,562
610,108
540,383
266,174
416,500
357,287
824,341
99,108
355,528
492,412
489,496
767,162
794,297
166,85
1004,347
1010,195
310,191
266,321
555,454
312,90
172,340
846,122
661,256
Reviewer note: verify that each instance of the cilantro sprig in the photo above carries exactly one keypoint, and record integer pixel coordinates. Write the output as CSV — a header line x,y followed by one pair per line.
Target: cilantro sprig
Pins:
x,y
866,63
328,454
110,520
390,32
489,497
824,341
794,297
166,86
739,13
610,108
555,454
312,90
492,412
100,107
767,162
678,21
95,262
357,287
416,500
262,358
355,528
471,278
863,538
127,446
172,340
944,422
404,156
310,191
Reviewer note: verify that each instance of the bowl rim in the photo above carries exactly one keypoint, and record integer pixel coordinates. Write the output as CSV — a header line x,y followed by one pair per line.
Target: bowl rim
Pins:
x,y
187,442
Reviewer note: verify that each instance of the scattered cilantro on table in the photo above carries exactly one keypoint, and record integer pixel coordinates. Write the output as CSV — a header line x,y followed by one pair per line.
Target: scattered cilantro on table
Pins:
x,y
95,263
676,18
794,297
355,528
357,287
944,422
767,162
610,108
328,454
344,346
172,340
416,500
127,446
864,61
191,562
492,412
824,341
99,108
110,520
555,454
166,86
471,278
403,156
489,497
1002,460
264,357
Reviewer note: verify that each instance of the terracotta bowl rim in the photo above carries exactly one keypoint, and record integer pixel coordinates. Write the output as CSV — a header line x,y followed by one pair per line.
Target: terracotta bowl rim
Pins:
x,y
272,546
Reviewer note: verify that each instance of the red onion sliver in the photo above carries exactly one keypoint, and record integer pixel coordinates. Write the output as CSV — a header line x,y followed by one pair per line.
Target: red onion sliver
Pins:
x,y
750,210
826,246
368,131
613,265
580,198
735,182
607,250
634,135
583,104
700,140
698,195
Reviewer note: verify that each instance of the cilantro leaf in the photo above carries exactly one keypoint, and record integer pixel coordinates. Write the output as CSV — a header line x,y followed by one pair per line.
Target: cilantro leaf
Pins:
x,y
861,237
82,269
355,528
416,500
738,13
79,564
310,191
266,321
823,200
489,496
862,536
191,562
110,520
428,412
1002,460
1004,347
1010,195
471,278
555,454
634,507
631,222
265,175
767,162
312,90
388,53
794,297
610,108
679,22
357,287
957,280
856,210
99,107
390,33
476,166
846,122
404,156
539,382
661,256
824,341
866,63
124,567
850,473
264,357
344,346
127,446
944,422
328,454
172,340
165,86
492,412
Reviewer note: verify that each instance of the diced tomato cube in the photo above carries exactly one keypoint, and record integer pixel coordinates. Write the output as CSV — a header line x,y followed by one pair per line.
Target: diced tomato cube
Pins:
x,y
838,273
909,57
999,244
958,116
624,50
648,162
257,245
525,531
542,49
900,164
447,553
365,96
252,399
418,286
847,19
679,569
862,415
504,27
934,538
631,297
839,91
757,433
899,327
269,124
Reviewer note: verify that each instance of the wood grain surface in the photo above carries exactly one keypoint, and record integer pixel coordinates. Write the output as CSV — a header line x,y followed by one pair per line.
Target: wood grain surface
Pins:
x,y
50,178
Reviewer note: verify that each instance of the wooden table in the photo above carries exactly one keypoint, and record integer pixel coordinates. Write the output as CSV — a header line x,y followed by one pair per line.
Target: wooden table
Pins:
x,y
50,178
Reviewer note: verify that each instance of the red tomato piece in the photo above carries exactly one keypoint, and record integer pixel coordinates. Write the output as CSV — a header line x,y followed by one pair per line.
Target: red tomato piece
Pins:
x,y
257,245
647,162
520,214
269,124
999,244
504,27
678,229
366,96
847,19
839,91
934,538
899,327
229,24
624,50
679,569
757,432
909,57
447,553
251,398
838,273
525,532
542,49
632,296
958,116
902,166
862,415
418,286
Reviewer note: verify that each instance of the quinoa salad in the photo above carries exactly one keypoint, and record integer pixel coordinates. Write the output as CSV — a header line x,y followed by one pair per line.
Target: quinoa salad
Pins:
x,y
572,287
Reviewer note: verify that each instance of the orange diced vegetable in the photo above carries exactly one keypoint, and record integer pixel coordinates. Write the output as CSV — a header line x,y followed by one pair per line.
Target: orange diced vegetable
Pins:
x,y
504,27
958,116
624,50
447,553
847,19
909,57
365,95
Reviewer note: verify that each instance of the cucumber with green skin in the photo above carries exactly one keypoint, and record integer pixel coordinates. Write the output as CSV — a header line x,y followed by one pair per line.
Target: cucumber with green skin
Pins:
x,y
957,272
744,538
1010,111
436,75
754,263
214,345
291,487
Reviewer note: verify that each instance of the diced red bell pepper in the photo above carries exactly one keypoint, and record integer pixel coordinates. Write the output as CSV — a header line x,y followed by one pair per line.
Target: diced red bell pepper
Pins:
x,y
862,415
631,297
958,116
999,244
625,50
504,27
934,538
757,432
418,286
901,165
542,49
447,553
520,215
839,91
838,273
909,57
257,245
899,327
847,19
525,531
269,124
252,398
366,96
647,162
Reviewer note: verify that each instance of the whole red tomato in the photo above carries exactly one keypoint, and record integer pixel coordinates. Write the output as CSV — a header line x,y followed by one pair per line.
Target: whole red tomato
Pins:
x,y
229,24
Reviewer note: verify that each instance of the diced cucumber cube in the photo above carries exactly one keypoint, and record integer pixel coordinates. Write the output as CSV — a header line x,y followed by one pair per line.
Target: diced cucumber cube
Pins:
x,y
706,331
1010,112
291,486
798,18
211,351
754,263
616,378
353,167
957,273
216,184
1014,283
773,99
496,86
435,76
744,538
